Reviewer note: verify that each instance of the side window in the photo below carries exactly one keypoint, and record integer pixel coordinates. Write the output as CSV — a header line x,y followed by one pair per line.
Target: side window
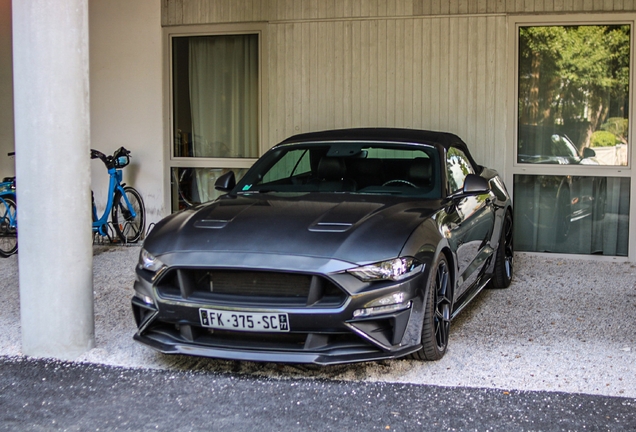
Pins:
x,y
457,168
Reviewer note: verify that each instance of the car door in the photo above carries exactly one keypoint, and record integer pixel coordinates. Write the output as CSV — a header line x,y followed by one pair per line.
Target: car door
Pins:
x,y
472,218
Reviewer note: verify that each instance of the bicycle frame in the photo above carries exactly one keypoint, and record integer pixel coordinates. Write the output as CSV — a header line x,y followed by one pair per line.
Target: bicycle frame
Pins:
x,y
100,225
8,217
13,217
7,189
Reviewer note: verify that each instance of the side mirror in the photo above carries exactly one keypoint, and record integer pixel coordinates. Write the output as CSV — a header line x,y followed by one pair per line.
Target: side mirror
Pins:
x,y
588,152
226,182
474,184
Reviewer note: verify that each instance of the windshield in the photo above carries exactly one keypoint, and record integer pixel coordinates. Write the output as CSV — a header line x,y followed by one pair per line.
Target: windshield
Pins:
x,y
361,168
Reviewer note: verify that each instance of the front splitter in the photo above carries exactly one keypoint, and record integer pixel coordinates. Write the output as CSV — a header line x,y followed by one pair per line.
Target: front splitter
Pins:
x,y
339,356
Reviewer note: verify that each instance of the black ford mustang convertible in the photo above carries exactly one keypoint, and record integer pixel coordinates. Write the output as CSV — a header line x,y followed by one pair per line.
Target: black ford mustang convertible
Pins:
x,y
336,246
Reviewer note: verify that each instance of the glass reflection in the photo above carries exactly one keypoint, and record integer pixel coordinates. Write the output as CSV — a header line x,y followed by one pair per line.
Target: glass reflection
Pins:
x,y
569,214
573,94
193,186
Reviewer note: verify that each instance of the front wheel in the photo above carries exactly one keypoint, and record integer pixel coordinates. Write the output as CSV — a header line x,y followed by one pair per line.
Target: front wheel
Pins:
x,y
129,229
437,313
8,227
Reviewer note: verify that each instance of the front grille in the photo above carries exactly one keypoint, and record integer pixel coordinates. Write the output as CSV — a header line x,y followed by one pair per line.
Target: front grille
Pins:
x,y
259,283
255,288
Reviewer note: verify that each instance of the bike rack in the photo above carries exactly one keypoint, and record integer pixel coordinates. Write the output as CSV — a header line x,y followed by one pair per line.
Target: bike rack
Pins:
x,y
98,239
113,238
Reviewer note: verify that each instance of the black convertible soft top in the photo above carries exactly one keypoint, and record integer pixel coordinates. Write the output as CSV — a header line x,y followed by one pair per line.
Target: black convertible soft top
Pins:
x,y
417,136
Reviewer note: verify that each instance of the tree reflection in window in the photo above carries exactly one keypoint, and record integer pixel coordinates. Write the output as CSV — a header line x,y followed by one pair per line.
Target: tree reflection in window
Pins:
x,y
574,82
458,168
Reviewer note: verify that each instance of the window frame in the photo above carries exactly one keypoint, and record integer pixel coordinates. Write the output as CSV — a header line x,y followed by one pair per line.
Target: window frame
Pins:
x,y
172,161
516,168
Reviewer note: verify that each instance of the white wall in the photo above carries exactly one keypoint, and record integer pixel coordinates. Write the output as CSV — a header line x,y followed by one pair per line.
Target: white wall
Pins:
x,y
7,167
126,95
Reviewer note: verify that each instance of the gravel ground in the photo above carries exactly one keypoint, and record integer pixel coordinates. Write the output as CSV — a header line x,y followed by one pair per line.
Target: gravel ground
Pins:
x,y
564,325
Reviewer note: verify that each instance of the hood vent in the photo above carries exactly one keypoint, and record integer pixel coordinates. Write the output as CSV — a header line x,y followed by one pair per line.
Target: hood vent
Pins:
x,y
221,214
343,216
330,227
211,223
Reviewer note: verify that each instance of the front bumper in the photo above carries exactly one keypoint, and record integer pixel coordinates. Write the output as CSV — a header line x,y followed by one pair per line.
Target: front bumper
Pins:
x,y
320,334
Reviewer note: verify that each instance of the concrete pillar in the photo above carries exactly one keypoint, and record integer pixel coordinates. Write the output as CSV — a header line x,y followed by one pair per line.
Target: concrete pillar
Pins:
x,y
52,135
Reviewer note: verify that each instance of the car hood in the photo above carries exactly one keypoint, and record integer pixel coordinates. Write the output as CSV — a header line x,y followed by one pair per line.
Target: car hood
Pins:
x,y
353,228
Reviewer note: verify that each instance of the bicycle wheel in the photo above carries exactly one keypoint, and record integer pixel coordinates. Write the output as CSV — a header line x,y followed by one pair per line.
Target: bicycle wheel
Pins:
x,y
129,229
8,227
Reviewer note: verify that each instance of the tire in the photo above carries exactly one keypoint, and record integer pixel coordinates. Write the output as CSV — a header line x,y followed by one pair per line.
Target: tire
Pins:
x,y
437,313
129,229
8,234
502,275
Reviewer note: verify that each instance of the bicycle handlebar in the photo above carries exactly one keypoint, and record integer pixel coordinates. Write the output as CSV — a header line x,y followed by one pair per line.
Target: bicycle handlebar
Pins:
x,y
110,161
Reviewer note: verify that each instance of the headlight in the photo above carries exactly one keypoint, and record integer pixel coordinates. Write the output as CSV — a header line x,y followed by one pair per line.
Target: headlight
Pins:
x,y
395,270
148,261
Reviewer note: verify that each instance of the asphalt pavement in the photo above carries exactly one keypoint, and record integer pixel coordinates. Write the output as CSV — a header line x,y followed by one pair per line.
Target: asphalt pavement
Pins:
x,y
46,395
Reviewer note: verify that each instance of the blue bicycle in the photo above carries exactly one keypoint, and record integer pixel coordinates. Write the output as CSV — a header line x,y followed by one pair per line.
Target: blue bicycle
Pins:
x,y
125,205
8,217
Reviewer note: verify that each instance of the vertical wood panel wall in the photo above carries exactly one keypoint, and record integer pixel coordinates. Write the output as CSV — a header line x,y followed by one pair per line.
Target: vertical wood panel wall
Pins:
x,y
432,73
433,64
178,12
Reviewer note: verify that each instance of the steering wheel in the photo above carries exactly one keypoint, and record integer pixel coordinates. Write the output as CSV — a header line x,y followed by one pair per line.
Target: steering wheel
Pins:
x,y
400,181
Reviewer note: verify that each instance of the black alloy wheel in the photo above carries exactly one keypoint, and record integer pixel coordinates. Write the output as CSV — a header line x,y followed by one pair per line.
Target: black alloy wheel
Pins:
x,y
437,313
504,261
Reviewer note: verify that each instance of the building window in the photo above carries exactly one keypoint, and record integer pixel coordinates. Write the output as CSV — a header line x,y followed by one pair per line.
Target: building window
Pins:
x,y
573,94
215,110
572,136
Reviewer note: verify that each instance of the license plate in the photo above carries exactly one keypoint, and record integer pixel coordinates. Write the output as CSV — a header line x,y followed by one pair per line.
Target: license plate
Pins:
x,y
245,321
